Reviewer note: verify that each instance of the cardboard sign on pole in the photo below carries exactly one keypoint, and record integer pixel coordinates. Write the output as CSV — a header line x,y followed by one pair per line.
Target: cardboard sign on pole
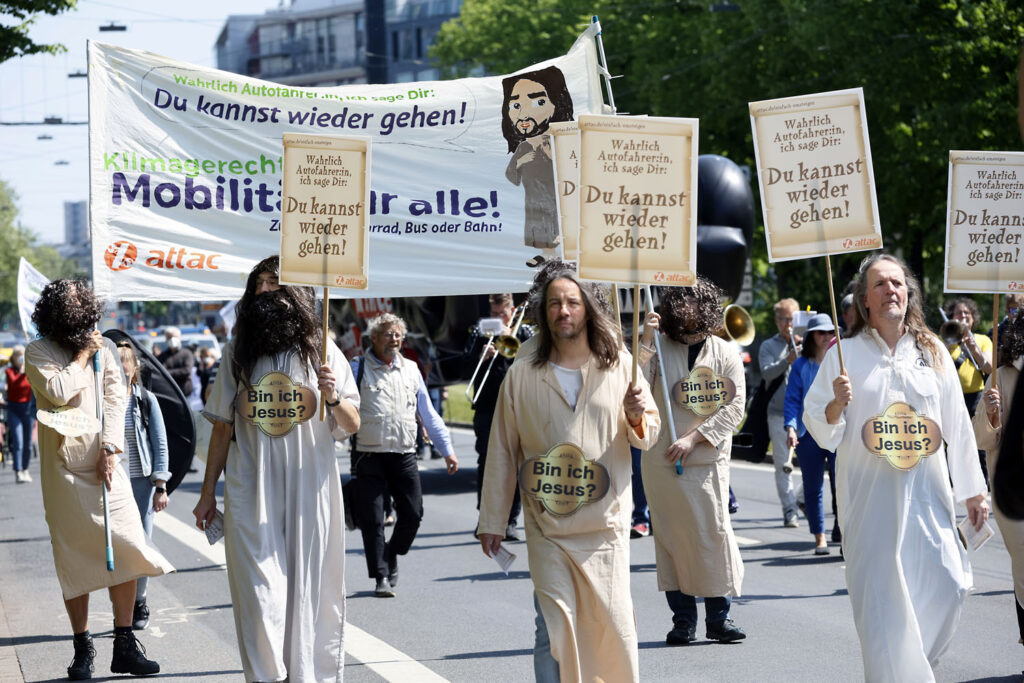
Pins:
x,y
637,198
565,143
985,222
323,211
816,181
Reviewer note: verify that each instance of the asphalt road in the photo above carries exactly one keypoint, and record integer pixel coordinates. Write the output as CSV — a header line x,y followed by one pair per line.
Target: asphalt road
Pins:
x,y
458,618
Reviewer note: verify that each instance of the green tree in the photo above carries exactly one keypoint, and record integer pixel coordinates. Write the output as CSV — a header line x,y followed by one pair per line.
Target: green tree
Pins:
x,y
14,38
937,75
17,241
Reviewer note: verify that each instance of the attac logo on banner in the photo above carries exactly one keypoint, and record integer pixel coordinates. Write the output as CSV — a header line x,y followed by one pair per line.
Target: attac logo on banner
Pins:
x,y
816,180
187,164
637,195
985,222
323,213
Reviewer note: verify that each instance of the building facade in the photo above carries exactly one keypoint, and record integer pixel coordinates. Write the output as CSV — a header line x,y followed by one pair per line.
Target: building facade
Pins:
x,y
324,42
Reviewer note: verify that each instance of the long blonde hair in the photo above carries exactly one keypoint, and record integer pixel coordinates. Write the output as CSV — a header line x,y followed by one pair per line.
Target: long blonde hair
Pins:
x,y
129,362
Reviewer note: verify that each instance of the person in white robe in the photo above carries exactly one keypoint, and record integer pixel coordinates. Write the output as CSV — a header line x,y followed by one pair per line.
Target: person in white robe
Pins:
x,y
284,522
906,570
565,419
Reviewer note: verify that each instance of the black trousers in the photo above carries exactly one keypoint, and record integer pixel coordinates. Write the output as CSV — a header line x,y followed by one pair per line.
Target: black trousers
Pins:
x,y
380,474
482,429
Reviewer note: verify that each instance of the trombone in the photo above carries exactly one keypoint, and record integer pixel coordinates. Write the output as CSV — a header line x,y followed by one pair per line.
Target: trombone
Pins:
x,y
505,345
952,333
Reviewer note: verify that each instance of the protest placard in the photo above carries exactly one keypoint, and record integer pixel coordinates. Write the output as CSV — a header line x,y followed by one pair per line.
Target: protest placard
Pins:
x,y
565,143
637,196
817,188
985,222
323,211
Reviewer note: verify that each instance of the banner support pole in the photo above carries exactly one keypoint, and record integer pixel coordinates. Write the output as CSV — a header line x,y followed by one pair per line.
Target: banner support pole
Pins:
x,y
835,318
664,380
995,343
323,348
604,64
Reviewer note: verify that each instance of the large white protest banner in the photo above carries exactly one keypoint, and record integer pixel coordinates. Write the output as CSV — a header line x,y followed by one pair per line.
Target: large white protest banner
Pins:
x,y
186,169
985,222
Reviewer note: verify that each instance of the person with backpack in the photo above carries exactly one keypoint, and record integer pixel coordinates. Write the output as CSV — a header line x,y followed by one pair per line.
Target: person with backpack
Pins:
x,y
145,440
775,358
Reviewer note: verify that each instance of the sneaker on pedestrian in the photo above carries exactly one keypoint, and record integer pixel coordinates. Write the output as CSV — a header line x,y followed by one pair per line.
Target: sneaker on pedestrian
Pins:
x,y
640,530
129,655
791,521
681,635
27,475
511,534
389,520
725,631
383,588
81,666
19,477
140,615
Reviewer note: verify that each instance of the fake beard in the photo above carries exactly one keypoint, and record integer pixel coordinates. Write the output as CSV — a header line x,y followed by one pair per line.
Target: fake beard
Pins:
x,y
275,323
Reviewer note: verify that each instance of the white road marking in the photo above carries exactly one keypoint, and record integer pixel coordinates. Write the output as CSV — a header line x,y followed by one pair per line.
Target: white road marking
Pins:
x,y
386,661
190,536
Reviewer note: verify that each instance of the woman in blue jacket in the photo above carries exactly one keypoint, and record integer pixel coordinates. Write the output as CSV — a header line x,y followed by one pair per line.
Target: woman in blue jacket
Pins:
x,y
820,333
147,462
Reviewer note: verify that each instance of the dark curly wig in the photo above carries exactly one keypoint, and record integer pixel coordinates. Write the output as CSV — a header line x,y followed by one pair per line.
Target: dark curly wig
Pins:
x,y
1011,341
273,322
67,312
708,317
602,333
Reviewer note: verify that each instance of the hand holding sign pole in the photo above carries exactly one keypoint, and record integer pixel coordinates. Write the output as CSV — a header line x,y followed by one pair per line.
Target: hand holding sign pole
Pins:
x,y
664,381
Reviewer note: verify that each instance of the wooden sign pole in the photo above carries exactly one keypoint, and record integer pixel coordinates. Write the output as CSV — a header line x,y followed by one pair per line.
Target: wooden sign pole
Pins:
x,y
323,348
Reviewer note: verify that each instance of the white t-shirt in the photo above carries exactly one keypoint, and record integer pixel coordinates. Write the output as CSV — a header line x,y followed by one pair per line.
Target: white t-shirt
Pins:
x,y
571,382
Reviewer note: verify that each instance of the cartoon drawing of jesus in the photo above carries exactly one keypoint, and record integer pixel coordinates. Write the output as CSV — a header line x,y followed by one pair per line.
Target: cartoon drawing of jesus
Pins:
x,y
532,101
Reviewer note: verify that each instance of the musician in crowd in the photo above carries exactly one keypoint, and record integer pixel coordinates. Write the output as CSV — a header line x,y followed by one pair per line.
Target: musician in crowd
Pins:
x,y
972,355
485,394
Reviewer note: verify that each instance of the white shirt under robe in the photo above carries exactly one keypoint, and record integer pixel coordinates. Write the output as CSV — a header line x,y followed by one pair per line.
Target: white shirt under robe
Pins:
x,y
579,563
284,529
906,570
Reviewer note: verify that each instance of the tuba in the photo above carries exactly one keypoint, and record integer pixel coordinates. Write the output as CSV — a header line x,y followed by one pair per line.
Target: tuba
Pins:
x,y
737,325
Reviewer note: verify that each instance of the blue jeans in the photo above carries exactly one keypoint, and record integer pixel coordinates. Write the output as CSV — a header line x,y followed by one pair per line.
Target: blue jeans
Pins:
x,y
684,609
812,463
143,490
641,512
545,667
20,417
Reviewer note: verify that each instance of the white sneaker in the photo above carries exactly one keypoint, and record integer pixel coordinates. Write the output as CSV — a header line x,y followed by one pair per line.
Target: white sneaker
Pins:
x,y
19,477
26,475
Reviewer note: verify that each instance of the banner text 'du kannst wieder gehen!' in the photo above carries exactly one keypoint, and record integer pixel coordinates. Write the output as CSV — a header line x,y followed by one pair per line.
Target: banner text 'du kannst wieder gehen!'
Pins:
x,y
186,168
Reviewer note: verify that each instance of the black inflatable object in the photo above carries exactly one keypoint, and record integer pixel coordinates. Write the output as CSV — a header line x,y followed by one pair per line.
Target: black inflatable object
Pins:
x,y
181,430
725,222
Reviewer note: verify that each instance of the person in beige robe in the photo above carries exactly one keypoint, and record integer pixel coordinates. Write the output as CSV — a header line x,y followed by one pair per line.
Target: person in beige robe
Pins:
x,y
988,430
695,547
567,406
74,469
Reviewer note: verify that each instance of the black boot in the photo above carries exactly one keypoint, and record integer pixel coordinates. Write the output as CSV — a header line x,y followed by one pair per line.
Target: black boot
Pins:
x,y
81,666
130,656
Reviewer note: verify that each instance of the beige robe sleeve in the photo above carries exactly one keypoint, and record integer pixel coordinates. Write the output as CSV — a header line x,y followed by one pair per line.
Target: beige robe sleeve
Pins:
x,y
49,376
115,396
503,456
989,437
